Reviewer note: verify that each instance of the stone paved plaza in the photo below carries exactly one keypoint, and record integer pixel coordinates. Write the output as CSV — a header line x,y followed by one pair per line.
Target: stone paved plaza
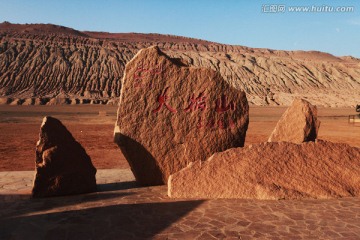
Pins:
x,y
121,210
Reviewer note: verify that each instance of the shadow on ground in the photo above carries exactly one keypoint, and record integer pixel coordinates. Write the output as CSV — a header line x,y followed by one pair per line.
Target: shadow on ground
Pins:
x,y
106,187
123,221
26,204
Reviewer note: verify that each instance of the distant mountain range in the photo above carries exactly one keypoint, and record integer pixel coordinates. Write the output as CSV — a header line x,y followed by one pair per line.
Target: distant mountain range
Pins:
x,y
46,63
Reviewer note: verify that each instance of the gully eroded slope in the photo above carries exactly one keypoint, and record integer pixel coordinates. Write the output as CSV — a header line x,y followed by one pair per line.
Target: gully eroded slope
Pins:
x,y
62,65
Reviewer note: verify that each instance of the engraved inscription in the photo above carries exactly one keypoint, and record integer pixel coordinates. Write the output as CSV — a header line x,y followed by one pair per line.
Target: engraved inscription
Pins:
x,y
162,100
222,106
196,103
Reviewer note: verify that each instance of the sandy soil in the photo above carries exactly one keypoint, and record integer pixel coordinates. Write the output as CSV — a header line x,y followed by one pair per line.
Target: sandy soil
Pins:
x,y
19,129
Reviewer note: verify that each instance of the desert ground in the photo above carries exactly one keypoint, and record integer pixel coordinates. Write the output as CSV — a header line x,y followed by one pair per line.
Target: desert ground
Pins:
x,y
122,210
19,130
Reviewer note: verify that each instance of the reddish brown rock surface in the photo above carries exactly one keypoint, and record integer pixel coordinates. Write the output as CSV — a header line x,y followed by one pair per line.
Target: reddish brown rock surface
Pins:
x,y
273,171
298,124
170,115
62,164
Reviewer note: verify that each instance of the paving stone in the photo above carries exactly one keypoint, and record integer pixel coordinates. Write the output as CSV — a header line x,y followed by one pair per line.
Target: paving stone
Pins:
x,y
123,211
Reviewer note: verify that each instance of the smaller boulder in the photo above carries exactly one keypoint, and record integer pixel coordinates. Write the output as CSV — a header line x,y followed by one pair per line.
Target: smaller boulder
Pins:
x,y
62,165
270,171
298,124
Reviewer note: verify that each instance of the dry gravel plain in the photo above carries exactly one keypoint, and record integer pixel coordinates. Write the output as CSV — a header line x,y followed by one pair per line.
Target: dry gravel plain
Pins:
x,y
19,129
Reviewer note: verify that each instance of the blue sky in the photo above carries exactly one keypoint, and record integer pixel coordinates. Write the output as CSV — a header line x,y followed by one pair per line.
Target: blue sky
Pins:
x,y
231,22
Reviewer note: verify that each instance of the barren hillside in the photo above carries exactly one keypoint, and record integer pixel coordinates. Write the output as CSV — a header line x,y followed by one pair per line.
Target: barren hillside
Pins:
x,y
44,63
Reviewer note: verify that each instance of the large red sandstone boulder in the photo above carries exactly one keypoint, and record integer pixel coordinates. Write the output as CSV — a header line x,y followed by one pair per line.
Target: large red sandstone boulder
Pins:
x,y
62,165
170,115
298,124
273,171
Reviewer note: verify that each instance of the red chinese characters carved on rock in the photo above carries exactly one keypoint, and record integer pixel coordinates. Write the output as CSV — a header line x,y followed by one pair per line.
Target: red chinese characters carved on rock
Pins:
x,y
223,124
162,100
140,85
199,103
196,103
142,71
222,106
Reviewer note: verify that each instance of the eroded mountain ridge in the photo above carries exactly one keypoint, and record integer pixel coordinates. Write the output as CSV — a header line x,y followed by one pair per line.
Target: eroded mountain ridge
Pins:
x,y
44,63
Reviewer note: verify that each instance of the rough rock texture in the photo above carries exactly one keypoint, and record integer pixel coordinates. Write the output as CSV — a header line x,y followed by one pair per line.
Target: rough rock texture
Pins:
x,y
41,61
298,124
170,115
273,171
62,165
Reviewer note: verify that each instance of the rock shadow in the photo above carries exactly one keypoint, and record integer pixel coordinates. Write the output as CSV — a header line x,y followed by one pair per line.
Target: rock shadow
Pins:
x,y
142,162
124,221
107,187
28,205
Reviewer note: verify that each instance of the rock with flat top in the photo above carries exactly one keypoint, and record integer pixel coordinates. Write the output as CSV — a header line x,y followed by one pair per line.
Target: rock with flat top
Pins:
x,y
170,115
298,124
278,170
62,164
